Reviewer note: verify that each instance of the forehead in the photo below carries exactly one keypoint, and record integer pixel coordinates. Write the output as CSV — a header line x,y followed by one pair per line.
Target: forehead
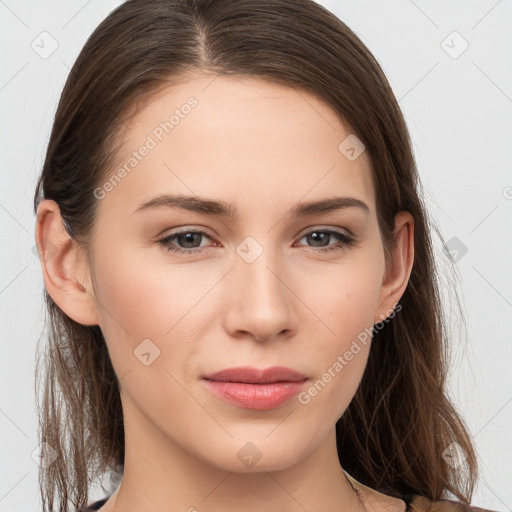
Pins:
x,y
243,137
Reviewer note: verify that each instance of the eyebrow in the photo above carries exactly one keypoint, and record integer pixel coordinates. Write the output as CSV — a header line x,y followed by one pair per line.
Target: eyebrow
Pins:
x,y
223,209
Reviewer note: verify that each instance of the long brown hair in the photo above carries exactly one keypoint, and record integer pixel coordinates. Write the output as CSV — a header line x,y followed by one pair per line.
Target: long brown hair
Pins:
x,y
395,430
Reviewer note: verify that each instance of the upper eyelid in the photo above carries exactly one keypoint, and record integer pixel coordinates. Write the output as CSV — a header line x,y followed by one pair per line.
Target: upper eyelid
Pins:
x,y
319,227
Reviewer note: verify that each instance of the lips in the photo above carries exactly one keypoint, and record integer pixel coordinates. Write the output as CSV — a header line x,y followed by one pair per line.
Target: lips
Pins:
x,y
250,388
251,375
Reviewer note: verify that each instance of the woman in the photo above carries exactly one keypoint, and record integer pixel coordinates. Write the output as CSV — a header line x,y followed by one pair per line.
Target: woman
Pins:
x,y
243,304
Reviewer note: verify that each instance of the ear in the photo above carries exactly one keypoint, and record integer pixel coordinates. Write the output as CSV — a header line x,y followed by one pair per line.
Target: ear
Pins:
x,y
399,269
65,268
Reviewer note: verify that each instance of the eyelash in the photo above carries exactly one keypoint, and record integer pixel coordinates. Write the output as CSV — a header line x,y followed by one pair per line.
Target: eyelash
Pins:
x,y
345,241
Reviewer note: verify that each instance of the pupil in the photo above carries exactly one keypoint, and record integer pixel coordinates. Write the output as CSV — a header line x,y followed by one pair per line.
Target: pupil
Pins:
x,y
189,238
315,236
318,236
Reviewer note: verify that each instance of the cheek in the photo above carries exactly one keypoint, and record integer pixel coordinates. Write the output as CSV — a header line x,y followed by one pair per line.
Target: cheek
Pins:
x,y
140,301
342,328
344,296
352,305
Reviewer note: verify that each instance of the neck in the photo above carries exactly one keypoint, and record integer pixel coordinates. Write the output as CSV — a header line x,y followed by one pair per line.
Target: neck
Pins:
x,y
159,475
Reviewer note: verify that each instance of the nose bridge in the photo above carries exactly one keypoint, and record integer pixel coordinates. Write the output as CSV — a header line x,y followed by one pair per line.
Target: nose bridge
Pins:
x,y
262,303
259,266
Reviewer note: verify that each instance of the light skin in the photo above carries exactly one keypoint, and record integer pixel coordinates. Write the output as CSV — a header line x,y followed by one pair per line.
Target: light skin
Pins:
x,y
264,148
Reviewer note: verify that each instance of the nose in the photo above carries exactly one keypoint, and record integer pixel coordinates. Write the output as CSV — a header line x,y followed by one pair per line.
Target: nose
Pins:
x,y
259,298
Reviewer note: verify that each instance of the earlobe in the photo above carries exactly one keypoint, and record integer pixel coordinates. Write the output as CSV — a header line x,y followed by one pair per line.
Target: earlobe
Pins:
x,y
399,269
65,271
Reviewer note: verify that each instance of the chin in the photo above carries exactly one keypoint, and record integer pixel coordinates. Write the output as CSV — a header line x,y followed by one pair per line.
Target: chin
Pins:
x,y
258,455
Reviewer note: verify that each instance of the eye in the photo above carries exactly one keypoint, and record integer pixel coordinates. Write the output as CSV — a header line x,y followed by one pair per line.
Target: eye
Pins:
x,y
188,238
189,241
323,236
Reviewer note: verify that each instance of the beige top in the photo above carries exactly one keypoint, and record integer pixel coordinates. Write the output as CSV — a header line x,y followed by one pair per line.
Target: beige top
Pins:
x,y
376,501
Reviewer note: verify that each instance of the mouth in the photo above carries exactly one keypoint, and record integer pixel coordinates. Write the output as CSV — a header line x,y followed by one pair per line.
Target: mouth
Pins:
x,y
250,388
251,375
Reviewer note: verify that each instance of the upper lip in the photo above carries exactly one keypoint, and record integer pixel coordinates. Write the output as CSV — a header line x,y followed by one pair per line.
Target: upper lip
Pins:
x,y
251,375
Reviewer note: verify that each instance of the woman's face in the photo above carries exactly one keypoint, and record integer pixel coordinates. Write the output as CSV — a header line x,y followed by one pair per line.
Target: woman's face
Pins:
x,y
276,283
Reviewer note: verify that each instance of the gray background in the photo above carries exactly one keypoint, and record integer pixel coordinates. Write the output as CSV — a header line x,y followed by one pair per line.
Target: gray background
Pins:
x,y
458,107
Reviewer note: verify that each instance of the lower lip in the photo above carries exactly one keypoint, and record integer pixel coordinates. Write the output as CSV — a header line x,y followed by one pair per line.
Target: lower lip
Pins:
x,y
259,397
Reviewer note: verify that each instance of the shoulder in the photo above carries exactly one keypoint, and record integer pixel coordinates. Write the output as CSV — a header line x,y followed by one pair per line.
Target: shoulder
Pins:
x,y
423,504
